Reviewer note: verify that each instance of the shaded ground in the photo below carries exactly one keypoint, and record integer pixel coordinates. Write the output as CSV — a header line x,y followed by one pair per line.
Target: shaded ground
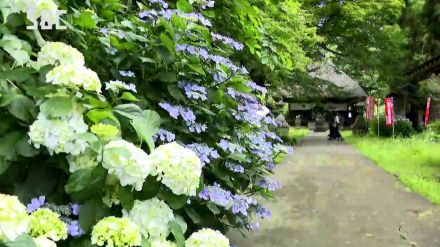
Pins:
x,y
332,196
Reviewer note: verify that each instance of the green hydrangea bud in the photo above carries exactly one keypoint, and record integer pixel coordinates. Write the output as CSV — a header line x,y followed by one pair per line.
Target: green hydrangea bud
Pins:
x,y
105,131
14,220
45,223
117,232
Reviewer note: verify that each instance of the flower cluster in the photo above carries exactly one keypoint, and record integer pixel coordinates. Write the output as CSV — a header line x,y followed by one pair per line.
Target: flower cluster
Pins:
x,y
228,41
69,71
44,242
162,243
88,159
238,204
194,91
162,3
35,8
58,53
168,13
116,232
261,211
105,131
59,135
45,223
256,87
128,162
152,217
14,220
128,73
207,238
205,153
117,86
187,114
179,168
268,184
164,136
231,147
74,77
234,167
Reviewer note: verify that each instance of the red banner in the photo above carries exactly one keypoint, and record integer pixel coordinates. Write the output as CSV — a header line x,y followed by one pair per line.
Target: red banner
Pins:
x,y
369,108
428,109
389,114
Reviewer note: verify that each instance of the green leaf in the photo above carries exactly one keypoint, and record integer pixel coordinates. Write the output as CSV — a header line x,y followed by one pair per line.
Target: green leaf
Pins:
x,y
79,180
102,116
177,233
23,240
8,144
23,108
197,68
128,110
86,20
58,106
147,126
184,6
181,221
25,149
195,217
147,60
175,91
149,190
4,164
164,54
129,96
91,212
126,197
167,76
167,42
213,208
238,156
174,201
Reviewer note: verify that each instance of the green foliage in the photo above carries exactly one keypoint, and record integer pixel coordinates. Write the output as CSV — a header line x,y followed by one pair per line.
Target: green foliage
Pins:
x,y
402,128
414,161
360,127
293,135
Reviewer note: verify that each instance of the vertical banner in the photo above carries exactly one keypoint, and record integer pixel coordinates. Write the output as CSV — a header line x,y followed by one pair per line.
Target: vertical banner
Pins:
x,y
389,115
369,108
428,109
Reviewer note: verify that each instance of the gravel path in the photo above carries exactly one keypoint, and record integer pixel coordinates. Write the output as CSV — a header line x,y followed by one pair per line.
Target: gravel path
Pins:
x,y
332,196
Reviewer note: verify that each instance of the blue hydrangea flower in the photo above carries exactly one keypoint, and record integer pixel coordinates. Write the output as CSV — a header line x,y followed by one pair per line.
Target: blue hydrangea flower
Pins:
x,y
268,184
241,204
197,128
208,4
262,212
194,91
104,31
205,153
172,110
217,195
35,204
228,41
75,209
256,87
164,136
162,3
127,73
234,167
231,147
74,229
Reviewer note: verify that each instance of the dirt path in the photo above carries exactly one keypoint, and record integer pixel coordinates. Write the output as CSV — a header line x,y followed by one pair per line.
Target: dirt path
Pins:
x,y
332,196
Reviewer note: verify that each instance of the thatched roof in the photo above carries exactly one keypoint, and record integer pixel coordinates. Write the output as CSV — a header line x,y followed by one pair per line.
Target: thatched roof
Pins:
x,y
323,82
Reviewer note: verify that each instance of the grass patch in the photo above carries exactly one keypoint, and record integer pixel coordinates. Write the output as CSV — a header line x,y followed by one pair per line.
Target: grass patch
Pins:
x,y
415,161
291,136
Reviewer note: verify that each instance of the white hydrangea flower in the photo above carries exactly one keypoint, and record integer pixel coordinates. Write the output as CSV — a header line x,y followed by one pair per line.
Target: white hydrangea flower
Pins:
x,y
162,243
44,242
85,160
14,219
178,167
74,76
128,162
35,8
58,53
59,135
207,238
118,85
152,217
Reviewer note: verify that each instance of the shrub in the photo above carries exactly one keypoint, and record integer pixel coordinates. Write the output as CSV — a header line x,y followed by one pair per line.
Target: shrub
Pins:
x,y
360,127
403,127
94,152
433,131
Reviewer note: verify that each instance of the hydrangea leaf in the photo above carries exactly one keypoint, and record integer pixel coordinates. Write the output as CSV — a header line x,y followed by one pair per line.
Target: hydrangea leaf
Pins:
x,y
177,233
4,164
174,201
23,108
23,240
147,126
129,97
195,217
126,197
184,6
86,20
58,106
213,208
91,212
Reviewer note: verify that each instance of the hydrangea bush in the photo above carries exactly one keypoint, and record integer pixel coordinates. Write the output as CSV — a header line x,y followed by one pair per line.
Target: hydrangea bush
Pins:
x,y
133,127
